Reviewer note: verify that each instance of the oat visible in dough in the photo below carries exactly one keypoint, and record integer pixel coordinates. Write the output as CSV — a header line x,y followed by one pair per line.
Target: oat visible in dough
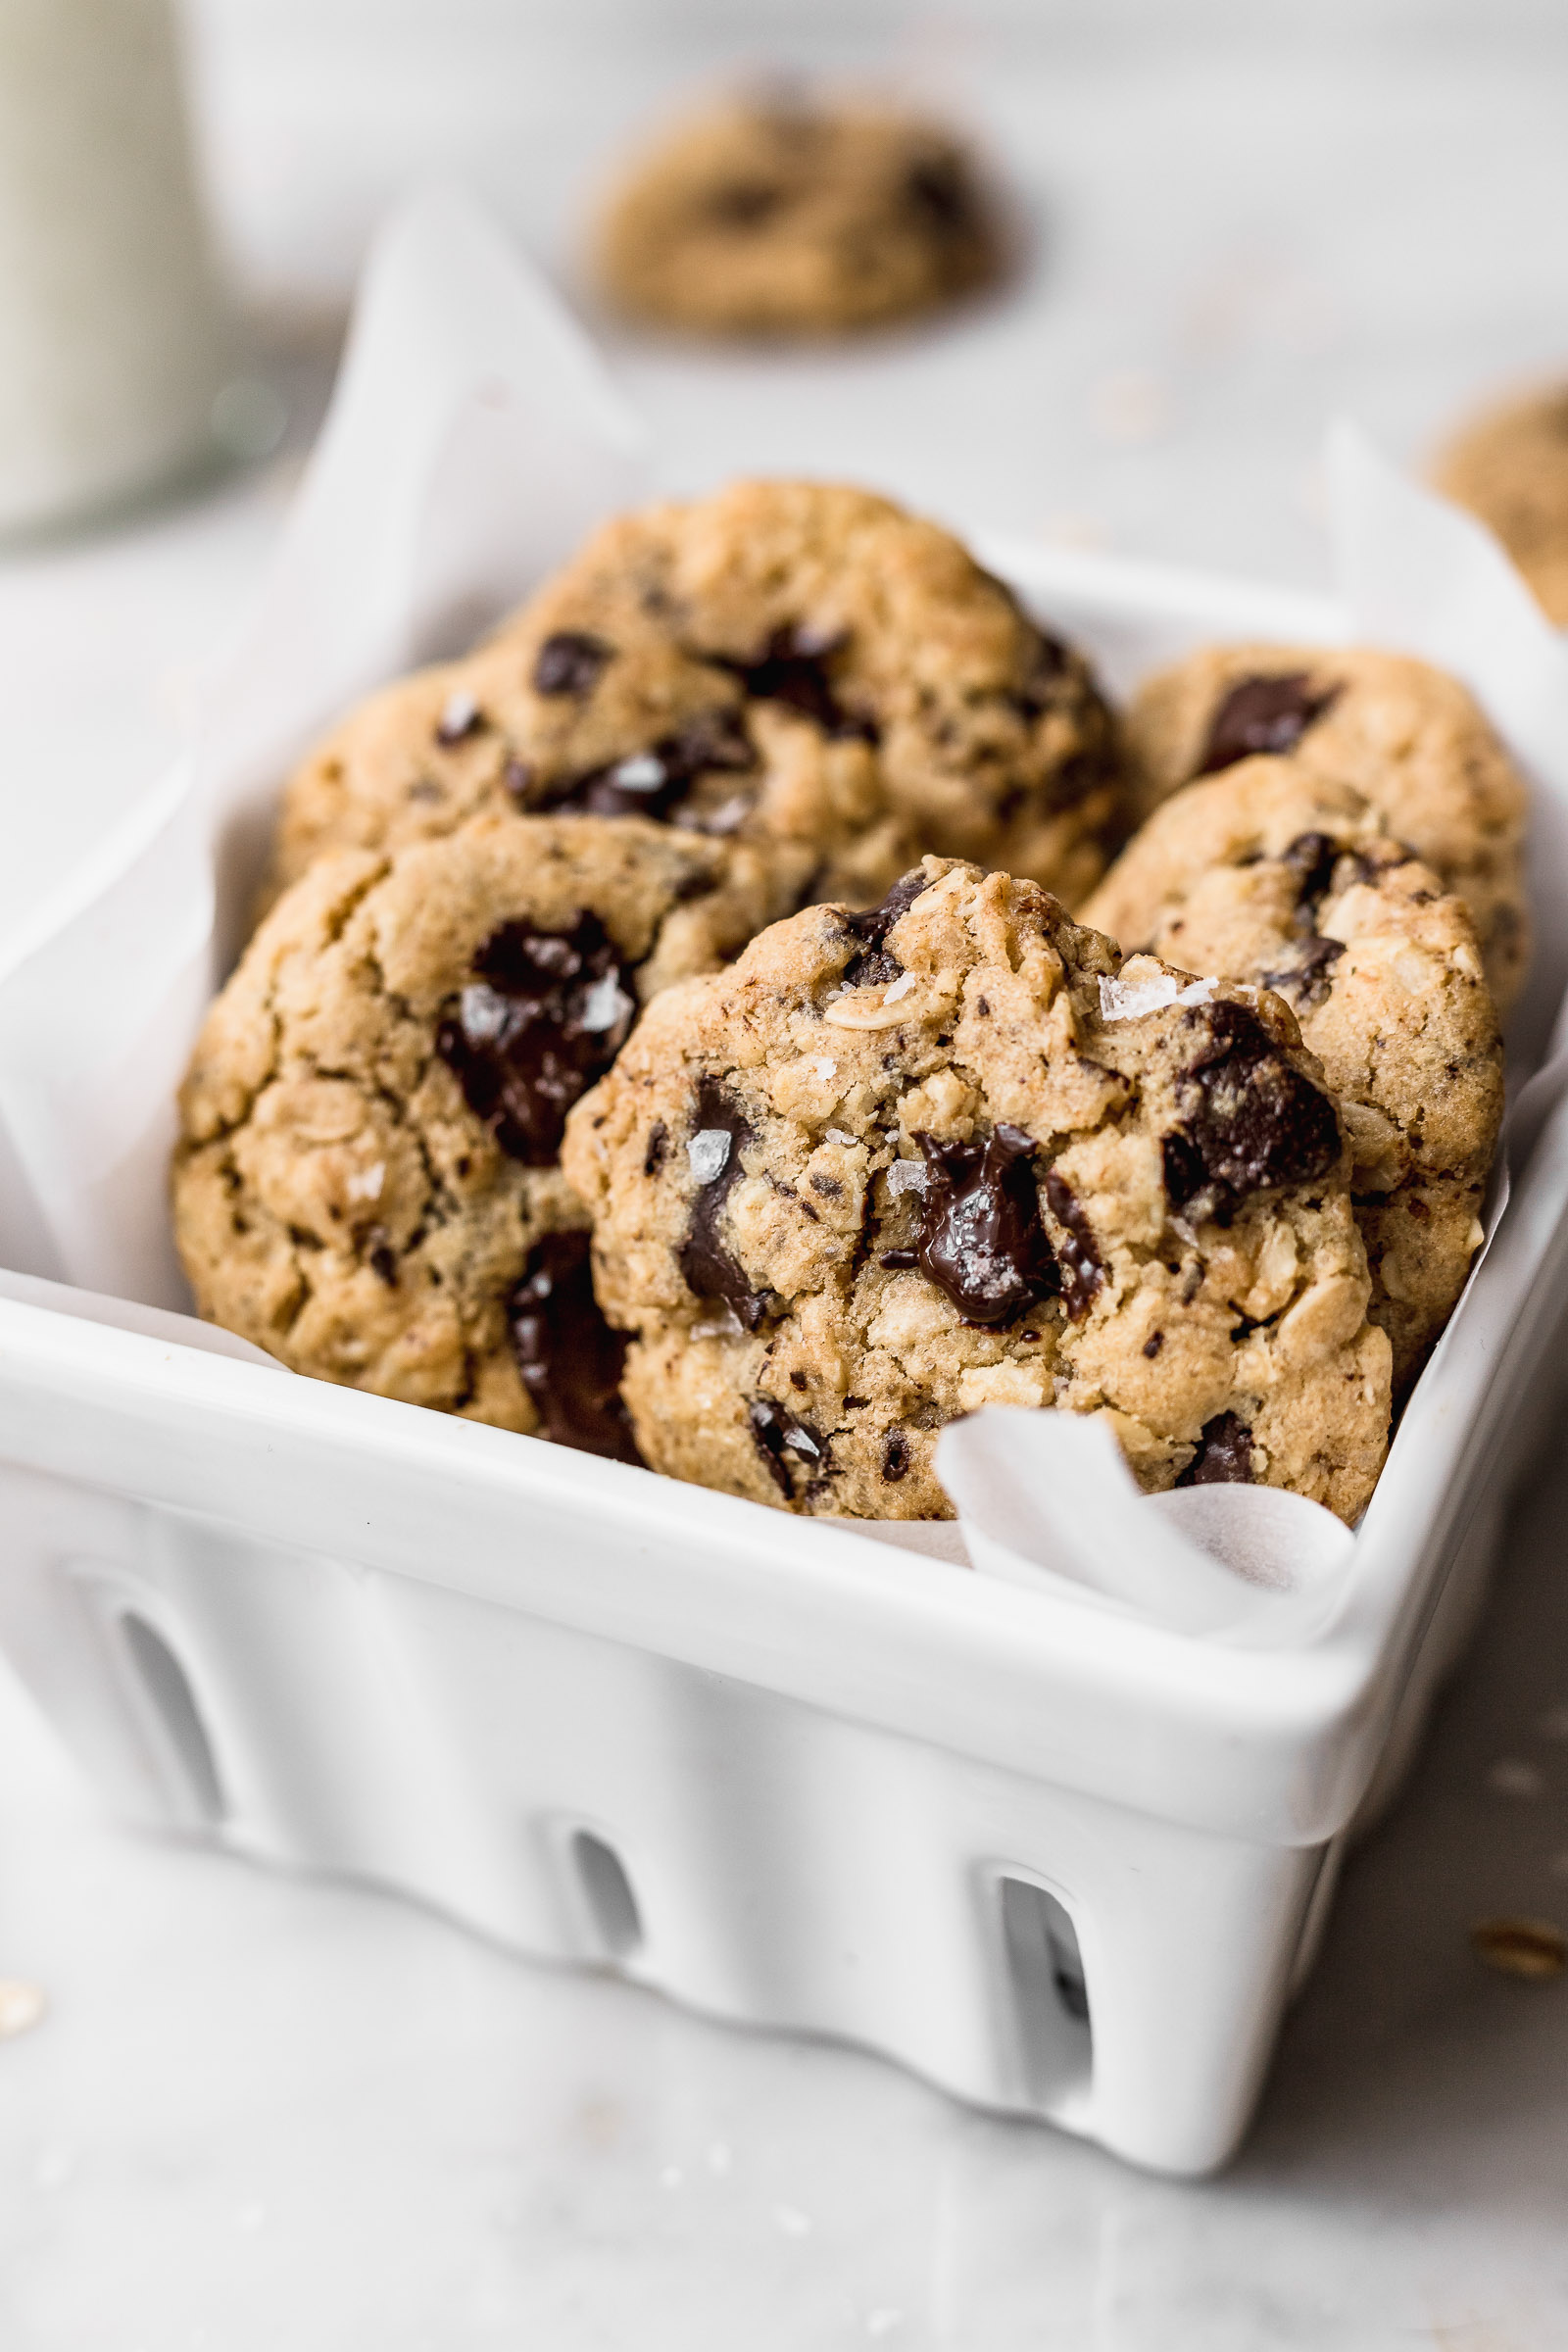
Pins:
x,y
1265,873
889,1169
1407,736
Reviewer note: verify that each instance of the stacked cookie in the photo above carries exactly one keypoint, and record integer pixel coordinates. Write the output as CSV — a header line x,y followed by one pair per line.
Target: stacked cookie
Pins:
x,y
717,711
573,1084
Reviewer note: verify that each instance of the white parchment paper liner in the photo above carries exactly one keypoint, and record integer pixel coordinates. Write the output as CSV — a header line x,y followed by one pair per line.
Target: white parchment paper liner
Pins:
x,y
472,441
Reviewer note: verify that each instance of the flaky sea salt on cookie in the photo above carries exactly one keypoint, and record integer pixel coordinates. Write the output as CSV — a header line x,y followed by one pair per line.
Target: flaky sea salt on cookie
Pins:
x,y
1267,875
367,1181
894,1167
1409,737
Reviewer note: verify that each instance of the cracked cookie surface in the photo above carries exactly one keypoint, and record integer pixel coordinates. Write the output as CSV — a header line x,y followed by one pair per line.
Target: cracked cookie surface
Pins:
x,y
826,683
1265,874
1409,737
1510,467
367,1182
896,1165
796,218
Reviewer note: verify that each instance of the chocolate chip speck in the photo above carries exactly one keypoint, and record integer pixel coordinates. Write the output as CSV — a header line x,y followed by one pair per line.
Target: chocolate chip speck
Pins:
x,y
895,1457
1077,1254
1263,715
570,662
1224,1456
1154,1344
876,966
1311,858
658,1147
781,1440
710,1269
569,1359
793,668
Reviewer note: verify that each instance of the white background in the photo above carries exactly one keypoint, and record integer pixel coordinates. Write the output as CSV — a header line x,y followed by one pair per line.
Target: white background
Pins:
x,y
267,2114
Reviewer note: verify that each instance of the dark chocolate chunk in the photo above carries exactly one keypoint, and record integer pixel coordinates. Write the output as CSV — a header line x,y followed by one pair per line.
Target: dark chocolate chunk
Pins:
x,y
1224,1456
1262,714
981,1241
791,668
570,662
545,1015
876,966
1250,1121
895,1457
1312,857
1035,696
570,1358
709,1270
744,202
937,190
1078,1254
657,1146
384,1264
899,1261
1154,1344
1306,982
656,783
776,1436
873,967
873,923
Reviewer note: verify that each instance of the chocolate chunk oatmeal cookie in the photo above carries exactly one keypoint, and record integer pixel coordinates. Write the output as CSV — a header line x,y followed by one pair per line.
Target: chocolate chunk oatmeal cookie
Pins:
x,y
367,1180
1269,875
1511,467
897,1165
807,673
783,217
1409,737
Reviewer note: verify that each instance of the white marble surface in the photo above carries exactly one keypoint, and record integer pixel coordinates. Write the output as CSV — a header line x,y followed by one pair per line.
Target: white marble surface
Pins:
x,y
264,2113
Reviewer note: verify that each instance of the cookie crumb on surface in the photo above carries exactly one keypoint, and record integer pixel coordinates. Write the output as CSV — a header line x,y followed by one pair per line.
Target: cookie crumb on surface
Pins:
x,y
1533,1948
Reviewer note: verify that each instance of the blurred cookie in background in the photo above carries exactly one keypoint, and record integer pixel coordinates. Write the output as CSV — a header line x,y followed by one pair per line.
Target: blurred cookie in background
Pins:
x,y
1510,467
781,213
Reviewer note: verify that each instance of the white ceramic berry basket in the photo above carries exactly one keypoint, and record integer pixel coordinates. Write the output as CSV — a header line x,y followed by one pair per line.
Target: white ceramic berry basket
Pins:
x,y
1057,1829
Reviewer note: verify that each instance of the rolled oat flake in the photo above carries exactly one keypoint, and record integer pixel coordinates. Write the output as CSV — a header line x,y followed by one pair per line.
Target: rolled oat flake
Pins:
x,y
1521,1947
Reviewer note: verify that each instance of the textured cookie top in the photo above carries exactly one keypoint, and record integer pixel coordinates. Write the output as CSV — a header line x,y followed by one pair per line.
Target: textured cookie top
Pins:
x,y
367,1174
808,671
794,219
1511,467
894,1167
1409,737
1267,875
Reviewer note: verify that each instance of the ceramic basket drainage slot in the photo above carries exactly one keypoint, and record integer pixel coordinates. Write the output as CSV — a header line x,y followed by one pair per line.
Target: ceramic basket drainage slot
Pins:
x,y
1048,1806
1044,1974
609,1903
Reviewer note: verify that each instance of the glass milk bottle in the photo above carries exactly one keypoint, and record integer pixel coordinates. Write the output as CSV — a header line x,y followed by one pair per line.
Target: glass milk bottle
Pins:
x,y
113,334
